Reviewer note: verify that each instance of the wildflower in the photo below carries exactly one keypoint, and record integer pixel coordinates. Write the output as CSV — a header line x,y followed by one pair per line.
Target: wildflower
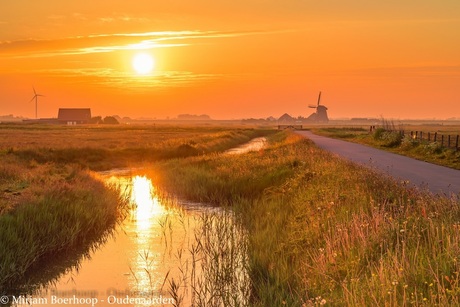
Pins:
x,y
323,302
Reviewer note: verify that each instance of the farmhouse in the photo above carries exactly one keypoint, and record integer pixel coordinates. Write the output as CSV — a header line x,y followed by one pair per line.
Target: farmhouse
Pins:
x,y
74,116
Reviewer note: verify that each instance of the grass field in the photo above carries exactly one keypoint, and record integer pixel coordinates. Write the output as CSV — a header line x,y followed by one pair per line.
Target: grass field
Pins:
x,y
319,230
48,201
325,231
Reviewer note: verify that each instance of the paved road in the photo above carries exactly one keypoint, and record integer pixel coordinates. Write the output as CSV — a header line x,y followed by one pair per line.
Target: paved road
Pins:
x,y
438,179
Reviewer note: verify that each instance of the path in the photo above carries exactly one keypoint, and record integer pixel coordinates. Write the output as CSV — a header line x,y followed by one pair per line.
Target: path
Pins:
x,y
438,179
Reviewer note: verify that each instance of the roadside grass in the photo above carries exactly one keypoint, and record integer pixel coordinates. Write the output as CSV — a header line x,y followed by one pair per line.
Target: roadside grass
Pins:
x,y
321,230
392,141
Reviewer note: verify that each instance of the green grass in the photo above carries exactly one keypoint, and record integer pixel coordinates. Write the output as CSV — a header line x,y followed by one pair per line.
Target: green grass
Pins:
x,y
114,147
317,229
63,209
48,202
423,150
323,230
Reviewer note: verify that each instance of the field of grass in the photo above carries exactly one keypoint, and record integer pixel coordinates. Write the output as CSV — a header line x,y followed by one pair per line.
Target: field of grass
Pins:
x,y
48,201
318,230
325,231
406,145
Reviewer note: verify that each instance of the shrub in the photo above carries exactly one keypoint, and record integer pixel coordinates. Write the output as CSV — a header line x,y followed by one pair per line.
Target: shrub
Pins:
x,y
388,138
378,133
391,138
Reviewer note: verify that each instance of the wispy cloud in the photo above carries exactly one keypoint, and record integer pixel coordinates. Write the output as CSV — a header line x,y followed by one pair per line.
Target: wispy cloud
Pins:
x,y
110,42
109,77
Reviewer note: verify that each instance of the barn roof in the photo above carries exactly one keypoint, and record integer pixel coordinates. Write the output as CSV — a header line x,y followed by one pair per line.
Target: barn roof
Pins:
x,y
285,118
74,114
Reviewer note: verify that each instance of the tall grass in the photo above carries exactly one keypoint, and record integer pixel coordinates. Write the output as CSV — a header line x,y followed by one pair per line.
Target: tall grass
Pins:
x,y
60,209
214,267
324,231
48,204
105,148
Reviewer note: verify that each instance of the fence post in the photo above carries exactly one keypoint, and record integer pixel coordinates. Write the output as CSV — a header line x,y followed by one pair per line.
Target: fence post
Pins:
x,y
448,141
429,136
456,143
421,135
435,136
442,140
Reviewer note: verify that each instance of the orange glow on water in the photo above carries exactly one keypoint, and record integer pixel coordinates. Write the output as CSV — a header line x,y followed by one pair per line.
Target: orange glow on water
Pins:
x,y
147,206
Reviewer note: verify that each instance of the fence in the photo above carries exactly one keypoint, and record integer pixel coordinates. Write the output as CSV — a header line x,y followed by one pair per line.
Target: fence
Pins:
x,y
450,141
445,140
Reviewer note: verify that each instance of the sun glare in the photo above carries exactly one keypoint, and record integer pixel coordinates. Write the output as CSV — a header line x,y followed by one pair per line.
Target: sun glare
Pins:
x,y
143,63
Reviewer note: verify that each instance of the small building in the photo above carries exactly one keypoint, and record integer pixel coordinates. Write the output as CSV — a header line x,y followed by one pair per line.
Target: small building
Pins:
x,y
286,118
74,116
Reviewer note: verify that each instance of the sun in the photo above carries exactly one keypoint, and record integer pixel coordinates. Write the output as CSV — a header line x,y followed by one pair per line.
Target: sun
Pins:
x,y
143,63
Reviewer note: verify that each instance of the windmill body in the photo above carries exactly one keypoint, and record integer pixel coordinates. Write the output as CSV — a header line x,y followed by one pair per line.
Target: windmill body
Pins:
x,y
321,112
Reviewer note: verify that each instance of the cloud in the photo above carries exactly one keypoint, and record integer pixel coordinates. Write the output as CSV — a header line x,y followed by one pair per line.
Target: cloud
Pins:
x,y
32,48
110,77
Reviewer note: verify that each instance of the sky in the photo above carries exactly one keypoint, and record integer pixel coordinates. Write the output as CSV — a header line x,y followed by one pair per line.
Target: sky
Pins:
x,y
232,59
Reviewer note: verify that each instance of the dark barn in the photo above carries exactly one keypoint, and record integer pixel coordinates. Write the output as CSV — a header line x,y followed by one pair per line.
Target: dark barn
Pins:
x,y
74,116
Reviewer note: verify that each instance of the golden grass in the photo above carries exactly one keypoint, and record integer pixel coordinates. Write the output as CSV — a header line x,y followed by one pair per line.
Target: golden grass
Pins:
x,y
327,231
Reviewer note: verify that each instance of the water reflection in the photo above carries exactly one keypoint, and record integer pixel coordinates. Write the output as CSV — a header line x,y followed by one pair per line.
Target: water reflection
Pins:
x,y
161,243
253,145
147,206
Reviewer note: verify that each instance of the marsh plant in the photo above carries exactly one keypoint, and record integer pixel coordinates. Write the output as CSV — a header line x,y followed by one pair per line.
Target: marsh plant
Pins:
x,y
211,263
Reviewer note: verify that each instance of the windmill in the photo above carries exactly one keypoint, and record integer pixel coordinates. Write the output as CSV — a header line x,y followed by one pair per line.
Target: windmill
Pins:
x,y
321,112
36,101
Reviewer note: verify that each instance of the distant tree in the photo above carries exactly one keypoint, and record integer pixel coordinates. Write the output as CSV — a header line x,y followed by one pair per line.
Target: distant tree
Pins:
x,y
111,120
96,120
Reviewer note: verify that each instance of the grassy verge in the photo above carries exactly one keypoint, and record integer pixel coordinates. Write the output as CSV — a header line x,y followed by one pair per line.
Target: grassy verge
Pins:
x,y
423,150
325,231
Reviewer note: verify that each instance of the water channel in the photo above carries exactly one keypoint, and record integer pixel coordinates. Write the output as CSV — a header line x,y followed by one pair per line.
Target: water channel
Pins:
x,y
166,252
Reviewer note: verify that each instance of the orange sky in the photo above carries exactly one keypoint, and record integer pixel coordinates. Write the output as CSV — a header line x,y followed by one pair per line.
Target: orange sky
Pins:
x,y
232,59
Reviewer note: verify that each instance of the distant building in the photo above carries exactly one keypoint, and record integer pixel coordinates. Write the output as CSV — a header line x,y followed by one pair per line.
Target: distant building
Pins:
x,y
74,116
286,118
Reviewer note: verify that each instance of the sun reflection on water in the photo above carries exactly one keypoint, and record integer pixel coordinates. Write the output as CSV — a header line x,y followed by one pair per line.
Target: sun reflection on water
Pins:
x,y
146,205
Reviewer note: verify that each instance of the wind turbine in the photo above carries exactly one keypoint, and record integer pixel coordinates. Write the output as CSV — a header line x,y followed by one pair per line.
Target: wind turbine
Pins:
x,y
36,101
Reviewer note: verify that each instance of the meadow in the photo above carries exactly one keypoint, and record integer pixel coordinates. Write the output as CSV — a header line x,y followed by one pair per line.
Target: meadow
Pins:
x,y
321,230
318,230
49,202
